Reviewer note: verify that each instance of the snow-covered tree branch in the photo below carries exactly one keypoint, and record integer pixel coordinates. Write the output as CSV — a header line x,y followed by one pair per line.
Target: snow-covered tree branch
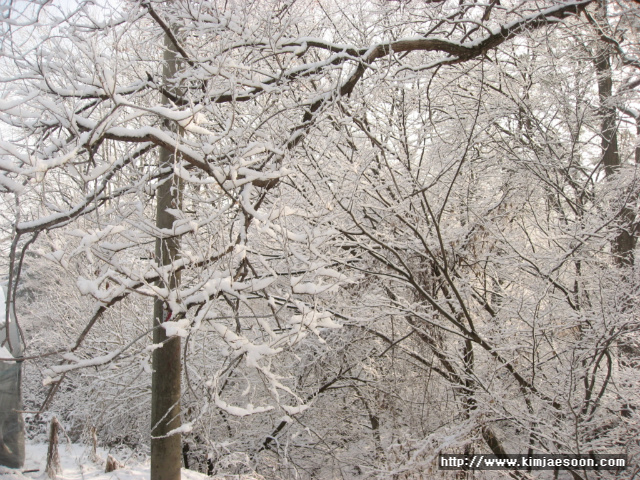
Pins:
x,y
372,232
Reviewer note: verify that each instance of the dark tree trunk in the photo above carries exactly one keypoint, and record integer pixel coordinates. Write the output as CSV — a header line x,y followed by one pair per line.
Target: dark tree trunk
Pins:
x,y
166,451
625,241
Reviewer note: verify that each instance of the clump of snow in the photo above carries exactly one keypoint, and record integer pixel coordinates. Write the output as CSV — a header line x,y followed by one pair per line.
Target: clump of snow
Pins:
x,y
179,328
239,411
85,286
310,321
294,410
184,428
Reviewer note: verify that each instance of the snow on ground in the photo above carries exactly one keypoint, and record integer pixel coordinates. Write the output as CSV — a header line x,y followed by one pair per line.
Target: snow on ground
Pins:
x,y
76,465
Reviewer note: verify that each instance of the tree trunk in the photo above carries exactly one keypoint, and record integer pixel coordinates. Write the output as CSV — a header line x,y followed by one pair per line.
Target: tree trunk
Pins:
x,y
625,241
166,451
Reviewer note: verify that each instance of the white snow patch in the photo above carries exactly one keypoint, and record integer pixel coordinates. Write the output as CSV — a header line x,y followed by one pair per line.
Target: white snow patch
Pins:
x,y
76,464
294,410
4,353
239,411
184,428
179,328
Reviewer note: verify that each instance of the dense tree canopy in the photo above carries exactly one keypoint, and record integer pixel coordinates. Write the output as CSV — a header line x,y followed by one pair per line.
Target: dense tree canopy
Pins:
x,y
395,228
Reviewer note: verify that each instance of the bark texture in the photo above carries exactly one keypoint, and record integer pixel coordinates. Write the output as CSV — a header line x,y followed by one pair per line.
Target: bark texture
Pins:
x,y
166,450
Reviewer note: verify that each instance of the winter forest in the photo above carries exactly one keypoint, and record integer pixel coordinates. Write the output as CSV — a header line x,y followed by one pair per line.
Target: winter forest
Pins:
x,y
324,239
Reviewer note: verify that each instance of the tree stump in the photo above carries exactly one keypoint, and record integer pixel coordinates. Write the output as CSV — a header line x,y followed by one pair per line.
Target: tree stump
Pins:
x,y
53,457
112,464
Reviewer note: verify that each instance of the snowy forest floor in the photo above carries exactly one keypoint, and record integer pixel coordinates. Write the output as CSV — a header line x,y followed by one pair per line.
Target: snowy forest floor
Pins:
x,y
77,465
